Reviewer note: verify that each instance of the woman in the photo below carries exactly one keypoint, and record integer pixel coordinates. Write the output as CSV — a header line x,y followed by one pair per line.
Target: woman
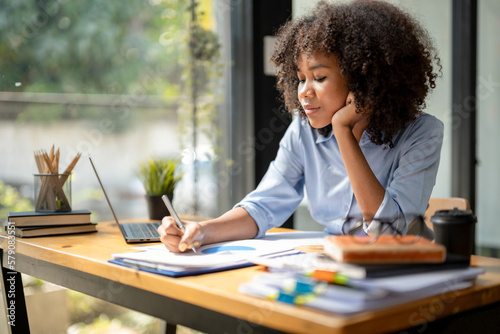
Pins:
x,y
358,75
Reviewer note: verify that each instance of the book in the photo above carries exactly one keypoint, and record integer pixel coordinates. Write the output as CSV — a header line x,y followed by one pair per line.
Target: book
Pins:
x,y
34,218
390,270
385,250
36,231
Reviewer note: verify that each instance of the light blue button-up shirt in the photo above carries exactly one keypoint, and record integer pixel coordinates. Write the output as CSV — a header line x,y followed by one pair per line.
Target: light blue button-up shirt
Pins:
x,y
308,160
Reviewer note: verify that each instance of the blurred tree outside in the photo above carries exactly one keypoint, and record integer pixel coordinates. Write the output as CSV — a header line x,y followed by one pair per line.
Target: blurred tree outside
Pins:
x,y
11,201
201,79
82,47
91,47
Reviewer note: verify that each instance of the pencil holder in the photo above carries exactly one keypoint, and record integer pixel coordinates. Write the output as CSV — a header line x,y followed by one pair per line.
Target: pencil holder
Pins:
x,y
52,192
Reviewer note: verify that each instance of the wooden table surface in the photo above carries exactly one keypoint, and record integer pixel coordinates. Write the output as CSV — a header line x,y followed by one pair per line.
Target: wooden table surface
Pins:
x,y
90,253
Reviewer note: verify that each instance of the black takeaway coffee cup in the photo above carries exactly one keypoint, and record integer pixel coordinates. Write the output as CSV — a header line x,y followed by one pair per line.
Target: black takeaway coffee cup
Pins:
x,y
456,230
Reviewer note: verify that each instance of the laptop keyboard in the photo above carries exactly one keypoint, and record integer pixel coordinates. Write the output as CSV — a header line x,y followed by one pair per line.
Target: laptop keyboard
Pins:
x,y
142,231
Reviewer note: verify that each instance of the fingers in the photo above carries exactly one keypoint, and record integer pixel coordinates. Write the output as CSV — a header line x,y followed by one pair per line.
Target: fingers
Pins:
x,y
350,99
177,241
170,235
192,236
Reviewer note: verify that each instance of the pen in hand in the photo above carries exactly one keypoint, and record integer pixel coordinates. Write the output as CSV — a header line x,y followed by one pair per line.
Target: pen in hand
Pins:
x,y
178,221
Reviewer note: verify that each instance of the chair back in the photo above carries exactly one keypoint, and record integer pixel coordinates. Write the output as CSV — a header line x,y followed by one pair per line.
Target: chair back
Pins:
x,y
444,203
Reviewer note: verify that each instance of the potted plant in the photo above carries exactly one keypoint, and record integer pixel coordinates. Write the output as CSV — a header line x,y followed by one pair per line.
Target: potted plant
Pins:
x,y
159,177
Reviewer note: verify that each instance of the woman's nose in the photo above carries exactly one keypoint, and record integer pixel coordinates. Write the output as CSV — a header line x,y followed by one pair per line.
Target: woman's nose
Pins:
x,y
306,91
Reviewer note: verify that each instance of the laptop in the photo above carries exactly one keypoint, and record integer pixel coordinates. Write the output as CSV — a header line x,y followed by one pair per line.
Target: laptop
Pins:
x,y
133,232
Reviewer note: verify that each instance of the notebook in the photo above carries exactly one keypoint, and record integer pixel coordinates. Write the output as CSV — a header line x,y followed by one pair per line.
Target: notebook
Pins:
x,y
387,249
133,232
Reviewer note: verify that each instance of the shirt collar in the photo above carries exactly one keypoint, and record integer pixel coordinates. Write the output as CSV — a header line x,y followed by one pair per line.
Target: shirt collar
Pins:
x,y
365,138
320,138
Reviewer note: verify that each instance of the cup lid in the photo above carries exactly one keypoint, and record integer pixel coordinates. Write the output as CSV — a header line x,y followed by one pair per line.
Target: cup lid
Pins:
x,y
454,216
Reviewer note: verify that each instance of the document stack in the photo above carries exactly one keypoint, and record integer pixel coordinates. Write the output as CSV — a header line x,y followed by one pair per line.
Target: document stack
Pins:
x,y
316,281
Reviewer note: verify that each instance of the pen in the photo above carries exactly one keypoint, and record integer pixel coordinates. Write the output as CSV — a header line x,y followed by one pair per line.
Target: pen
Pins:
x,y
178,221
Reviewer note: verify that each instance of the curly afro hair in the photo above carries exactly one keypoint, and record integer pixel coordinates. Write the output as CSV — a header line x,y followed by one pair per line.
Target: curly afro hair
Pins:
x,y
385,55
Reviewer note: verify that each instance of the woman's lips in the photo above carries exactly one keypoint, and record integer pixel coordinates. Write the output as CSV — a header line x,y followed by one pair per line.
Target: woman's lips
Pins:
x,y
310,109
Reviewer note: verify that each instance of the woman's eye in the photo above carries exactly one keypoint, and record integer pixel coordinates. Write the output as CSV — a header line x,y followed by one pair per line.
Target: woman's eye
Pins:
x,y
320,79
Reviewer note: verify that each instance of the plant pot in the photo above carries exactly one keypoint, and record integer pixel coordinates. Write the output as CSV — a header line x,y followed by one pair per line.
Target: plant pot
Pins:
x,y
156,208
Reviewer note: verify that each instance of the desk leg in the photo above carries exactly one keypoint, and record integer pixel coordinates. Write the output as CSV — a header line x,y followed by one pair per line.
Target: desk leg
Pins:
x,y
13,299
171,329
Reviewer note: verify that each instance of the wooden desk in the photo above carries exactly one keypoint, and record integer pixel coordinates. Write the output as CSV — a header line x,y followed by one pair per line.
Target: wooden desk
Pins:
x,y
211,302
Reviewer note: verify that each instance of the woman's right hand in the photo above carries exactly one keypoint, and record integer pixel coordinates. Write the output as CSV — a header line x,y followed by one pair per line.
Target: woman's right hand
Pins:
x,y
236,224
177,241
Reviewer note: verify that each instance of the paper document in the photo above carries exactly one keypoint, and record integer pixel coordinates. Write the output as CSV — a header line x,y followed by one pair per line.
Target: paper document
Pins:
x,y
359,295
223,254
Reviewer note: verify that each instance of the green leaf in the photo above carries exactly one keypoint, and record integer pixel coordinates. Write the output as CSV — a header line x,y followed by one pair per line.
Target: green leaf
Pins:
x,y
159,176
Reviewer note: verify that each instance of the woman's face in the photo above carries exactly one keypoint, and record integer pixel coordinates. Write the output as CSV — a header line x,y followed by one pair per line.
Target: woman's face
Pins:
x,y
322,89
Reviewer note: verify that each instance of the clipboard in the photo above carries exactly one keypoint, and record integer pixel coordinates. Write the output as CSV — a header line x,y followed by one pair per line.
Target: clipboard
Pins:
x,y
183,273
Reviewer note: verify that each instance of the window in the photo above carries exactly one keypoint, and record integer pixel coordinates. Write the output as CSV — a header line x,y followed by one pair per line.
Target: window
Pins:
x,y
102,78
110,79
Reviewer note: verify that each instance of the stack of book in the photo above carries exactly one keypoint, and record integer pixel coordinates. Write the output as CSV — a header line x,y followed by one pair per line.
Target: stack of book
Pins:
x,y
34,224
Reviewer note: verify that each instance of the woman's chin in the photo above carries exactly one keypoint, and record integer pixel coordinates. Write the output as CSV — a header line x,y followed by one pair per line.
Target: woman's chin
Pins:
x,y
318,124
